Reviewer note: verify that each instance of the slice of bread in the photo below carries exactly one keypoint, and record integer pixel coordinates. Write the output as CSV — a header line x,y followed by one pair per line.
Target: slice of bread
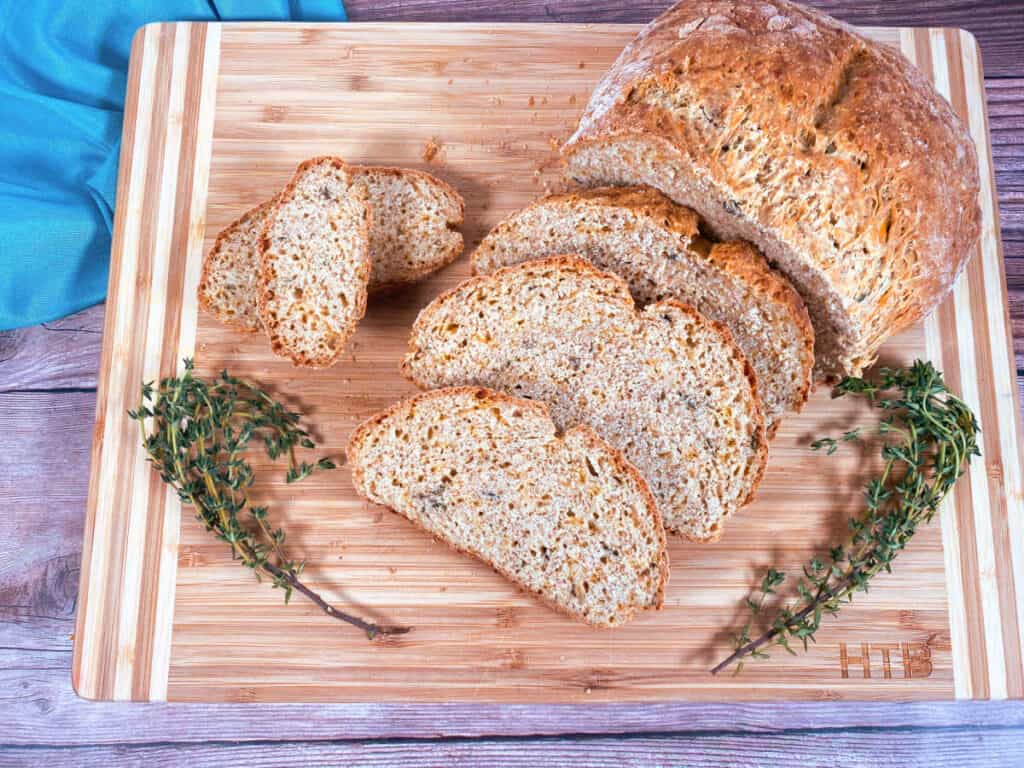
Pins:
x,y
229,283
415,225
567,518
656,246
414,232
664,385
315,263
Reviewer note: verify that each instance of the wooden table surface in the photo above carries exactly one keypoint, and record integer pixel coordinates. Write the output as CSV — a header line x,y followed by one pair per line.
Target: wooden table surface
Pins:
x,y
47,399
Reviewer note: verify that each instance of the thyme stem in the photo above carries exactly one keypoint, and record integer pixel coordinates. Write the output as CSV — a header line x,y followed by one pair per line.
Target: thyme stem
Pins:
x,y
197,438
931,436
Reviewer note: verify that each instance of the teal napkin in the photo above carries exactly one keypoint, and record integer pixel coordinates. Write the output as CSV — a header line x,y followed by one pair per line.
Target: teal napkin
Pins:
x,y
63,69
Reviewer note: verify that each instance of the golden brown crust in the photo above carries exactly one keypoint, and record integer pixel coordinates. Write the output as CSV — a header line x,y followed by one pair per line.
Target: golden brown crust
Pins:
x,y
211,257
363,266
890,215
361,432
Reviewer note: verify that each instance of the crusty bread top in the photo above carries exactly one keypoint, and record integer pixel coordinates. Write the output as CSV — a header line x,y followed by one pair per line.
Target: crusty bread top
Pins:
x,y
566,518
414,232
657,247
315,263
665,385
828,142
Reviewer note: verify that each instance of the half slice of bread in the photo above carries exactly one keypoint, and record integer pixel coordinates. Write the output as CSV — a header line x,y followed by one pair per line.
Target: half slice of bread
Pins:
x,y
315,263
229,284
414,232
665,385
567,518
656,246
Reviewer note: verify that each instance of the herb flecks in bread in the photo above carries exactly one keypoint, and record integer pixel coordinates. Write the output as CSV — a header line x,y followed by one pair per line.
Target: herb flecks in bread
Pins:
x,y
656,246
831,153
664,385
565,517
315,263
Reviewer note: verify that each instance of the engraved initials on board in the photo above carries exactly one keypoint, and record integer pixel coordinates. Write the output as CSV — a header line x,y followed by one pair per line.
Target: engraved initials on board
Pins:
x,y
915,659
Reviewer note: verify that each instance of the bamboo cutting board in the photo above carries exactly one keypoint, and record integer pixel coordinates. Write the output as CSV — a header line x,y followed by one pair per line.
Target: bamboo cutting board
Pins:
x,y
217,117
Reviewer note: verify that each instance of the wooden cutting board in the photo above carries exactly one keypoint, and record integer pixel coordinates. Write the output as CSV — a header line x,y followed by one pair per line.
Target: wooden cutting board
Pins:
x,y
217,117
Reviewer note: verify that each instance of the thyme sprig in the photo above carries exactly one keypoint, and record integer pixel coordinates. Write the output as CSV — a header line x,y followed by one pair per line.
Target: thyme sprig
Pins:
x,y
929,437
198,433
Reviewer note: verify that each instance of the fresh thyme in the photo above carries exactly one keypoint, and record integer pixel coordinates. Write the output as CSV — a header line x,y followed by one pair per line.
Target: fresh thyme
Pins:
x,y
929,438
198,434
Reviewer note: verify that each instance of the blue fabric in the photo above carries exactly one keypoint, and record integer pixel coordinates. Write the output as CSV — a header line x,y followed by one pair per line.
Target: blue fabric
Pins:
x,y
63,70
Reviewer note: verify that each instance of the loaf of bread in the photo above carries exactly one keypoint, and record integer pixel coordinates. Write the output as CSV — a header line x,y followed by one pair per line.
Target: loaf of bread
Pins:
x,y
315,263
566,518
414,231
784,127
655,245
666,386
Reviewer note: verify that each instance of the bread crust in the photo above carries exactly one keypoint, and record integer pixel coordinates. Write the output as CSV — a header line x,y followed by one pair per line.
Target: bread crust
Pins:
x,y
884,153
738,259
456,214
623,294
363,430
363,266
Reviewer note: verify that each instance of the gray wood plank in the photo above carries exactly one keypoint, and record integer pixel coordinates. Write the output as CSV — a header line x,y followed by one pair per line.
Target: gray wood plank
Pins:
x,y
885,748
43,480
63,354
996,23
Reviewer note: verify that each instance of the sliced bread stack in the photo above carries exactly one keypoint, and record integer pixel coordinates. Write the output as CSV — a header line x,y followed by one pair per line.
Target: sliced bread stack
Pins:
x,y
565,517
374,230
665,385
656,246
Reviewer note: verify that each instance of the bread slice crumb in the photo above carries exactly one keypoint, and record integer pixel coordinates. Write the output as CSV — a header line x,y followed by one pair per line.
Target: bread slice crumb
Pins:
x,y
414,232
315,263
565,517
657,247
665,385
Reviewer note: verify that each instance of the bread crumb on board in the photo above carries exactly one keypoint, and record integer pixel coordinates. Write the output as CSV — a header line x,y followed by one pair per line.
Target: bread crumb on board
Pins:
x,y
430,149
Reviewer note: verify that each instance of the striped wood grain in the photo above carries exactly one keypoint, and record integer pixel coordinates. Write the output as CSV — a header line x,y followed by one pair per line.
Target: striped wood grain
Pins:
x,y
130,551
165,614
